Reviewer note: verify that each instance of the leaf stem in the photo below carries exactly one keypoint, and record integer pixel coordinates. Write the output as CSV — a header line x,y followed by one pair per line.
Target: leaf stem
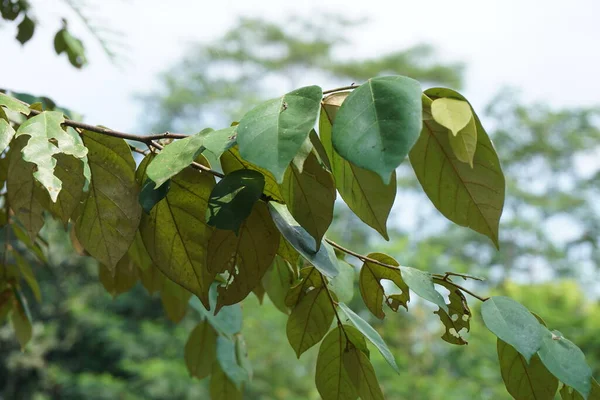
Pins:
x,y
333,306
440,278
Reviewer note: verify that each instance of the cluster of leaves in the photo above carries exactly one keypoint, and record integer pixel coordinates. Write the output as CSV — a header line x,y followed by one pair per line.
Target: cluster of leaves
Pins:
x,y
261,228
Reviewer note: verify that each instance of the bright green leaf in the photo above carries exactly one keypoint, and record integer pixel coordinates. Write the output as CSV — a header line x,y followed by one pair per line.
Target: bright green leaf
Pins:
x,y
371,334
218,142
378,124
451,113
513,323
13,104
6,134
361,373
464,144
201,350
421,283
364,193
174,158
280,125
331,378
523,380
324,259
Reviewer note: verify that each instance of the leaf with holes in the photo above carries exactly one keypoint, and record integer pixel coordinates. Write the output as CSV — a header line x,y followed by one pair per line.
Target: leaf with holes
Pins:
x,y
201,350
310,196
458,316
379,122
110,214
331,378
471,197
280,125
371,289
513,323
310,320
525,380
364,193
232,199
245,256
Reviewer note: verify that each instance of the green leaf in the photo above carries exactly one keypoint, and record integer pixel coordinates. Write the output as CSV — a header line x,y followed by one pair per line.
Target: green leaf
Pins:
x,y
25,197
300,158
110,214
288,252
221,388
6,134
149,195
513,323
218,142
28,275
70,171
246,256
523,380
567,393
310,279
13,104
21,325
343,283
361,373
421,283
176,235
174,158
451,113
152,279
45,130
227,358
120,279
174,299
201,350
229,320
378,124
458,316
364,193
64,42
277,282
280,125
471,197
370,334
310,196
464,144
372,290
232,161
232,199
310,320
324,259
25,30
331,378
565,361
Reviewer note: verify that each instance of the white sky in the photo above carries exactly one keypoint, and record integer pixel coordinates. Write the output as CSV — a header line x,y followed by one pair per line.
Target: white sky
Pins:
x,y
548,49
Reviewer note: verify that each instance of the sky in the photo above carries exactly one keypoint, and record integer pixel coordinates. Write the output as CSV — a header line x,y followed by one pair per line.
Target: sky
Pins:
x,y
547,50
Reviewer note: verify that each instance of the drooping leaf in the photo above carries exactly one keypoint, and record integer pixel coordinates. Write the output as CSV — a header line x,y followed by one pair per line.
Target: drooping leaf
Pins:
x,y
310,196
513,323
174,158
149,195
110,215
232,199
174,300
565,361
324,259
366,195
47,138
227,359
13,104
277,282
280,125
372,290
525,380
25,30
246,256
471,197
221,388
227,322
421,283
343,283
310,320
21,324
371,334
6,134
378,124
451,113
176,235
361,373
25,197
201,350
458,316
119,280
331,378
231,160
464,144
70,171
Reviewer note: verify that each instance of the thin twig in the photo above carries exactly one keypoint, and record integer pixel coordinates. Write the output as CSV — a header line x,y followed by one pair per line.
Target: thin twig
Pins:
x,y
333,304
353,86
440,279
